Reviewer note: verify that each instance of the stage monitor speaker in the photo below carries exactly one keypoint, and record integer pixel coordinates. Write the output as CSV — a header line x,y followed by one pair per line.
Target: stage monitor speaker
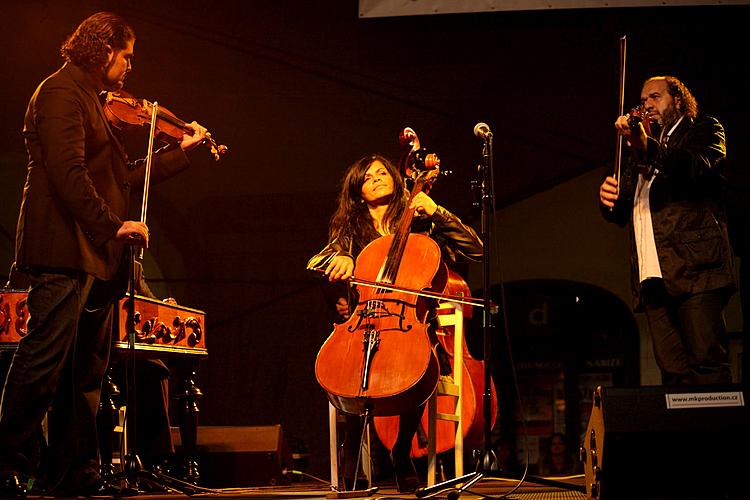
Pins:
x,y
646,443
240,456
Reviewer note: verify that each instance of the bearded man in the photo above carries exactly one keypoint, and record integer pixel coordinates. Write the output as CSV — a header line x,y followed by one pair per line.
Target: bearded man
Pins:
x,y
671,194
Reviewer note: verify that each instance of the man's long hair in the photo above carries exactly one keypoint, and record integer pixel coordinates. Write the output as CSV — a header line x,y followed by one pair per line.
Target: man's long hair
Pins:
x,y
688,104
87,46
352,220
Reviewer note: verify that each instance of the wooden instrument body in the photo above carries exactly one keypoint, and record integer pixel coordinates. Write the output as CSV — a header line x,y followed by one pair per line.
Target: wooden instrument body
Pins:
x,y
161,328
13,316
472,393
402,372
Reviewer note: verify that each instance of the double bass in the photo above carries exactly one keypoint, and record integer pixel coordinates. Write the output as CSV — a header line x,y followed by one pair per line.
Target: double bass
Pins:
x,y
472,381
381,360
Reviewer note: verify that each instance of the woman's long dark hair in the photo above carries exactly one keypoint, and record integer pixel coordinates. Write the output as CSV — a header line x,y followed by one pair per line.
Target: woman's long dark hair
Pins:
x,y
352,220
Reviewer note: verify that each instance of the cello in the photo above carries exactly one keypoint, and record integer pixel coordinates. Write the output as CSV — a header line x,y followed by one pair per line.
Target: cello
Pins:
x,y
472,381
381,360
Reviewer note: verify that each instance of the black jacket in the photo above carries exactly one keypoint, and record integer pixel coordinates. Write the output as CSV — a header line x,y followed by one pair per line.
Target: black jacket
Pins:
x,y
456,240
687,200
78,179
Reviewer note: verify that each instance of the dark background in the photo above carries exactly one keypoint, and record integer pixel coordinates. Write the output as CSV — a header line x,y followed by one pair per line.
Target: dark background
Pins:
x,y
299,90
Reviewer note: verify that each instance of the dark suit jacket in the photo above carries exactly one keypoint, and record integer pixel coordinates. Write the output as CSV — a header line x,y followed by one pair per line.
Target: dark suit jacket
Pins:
x,y
687,208
78,180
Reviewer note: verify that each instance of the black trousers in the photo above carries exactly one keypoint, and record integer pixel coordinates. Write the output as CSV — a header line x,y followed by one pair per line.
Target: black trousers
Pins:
x,y
58,367
689,335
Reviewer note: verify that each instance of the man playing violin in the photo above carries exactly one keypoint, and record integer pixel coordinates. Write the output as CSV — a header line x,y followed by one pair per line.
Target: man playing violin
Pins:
x,y
70,241
672,195
372,200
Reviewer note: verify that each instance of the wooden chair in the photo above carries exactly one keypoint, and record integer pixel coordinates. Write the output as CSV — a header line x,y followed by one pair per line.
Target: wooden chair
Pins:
x,y
451,320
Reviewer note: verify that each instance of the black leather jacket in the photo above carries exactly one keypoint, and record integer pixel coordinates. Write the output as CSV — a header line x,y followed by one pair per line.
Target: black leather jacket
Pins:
x,y
687,208
456,240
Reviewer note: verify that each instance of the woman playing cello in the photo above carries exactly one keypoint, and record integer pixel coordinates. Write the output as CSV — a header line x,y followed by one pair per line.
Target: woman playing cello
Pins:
x,y
372,200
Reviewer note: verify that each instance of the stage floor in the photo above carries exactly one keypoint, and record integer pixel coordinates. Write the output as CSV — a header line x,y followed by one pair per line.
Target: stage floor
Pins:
x,y
315,490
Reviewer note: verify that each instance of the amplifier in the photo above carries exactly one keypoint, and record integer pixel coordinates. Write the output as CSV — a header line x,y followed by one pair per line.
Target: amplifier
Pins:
x,y
667,443
240,456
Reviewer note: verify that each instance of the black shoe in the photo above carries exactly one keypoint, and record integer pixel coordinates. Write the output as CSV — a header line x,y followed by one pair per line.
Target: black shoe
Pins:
x,y
407,479
11,486
349,484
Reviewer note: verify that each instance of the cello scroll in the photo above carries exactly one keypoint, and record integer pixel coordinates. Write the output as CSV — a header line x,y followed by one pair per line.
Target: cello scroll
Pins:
x,y
418,160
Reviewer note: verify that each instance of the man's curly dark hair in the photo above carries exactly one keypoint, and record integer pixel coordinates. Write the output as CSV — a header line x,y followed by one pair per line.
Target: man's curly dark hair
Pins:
x,y
87,46
689,105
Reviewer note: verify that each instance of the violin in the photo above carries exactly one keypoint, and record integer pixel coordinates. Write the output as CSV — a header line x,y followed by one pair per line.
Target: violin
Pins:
x,y
126,112
639,115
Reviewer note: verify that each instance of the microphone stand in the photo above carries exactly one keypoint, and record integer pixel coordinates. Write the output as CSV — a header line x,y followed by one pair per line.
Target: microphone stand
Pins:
x,y
487,464
132,469
488,214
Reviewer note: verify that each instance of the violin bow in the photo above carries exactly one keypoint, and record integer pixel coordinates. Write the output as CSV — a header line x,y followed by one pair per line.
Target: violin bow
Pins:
x,y
621,108
149,156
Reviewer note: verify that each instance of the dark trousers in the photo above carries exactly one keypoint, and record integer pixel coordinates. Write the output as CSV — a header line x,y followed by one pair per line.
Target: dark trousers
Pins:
x,y
58,367
409,424
689,335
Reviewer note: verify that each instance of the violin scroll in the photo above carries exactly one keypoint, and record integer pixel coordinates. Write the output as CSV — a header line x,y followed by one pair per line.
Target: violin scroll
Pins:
x,y
217,150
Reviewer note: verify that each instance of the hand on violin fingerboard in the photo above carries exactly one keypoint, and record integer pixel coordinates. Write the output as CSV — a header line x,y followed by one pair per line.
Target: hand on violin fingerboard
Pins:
x,y
636,137
198,136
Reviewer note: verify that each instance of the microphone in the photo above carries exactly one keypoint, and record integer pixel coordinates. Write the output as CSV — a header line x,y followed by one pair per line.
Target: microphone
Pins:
x,y
482,130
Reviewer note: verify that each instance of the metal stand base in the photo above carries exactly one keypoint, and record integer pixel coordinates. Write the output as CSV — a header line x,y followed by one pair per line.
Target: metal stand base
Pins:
x,y
353,494
472,478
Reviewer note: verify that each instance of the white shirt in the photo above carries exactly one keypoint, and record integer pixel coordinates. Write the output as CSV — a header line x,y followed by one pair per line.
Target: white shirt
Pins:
x,y
643,229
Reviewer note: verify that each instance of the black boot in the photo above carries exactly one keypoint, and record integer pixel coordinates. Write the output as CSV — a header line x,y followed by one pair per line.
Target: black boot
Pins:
x,y
407,479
